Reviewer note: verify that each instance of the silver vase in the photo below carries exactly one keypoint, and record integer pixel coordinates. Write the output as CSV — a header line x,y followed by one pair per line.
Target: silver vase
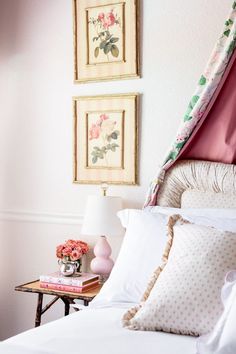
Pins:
x,y
68,268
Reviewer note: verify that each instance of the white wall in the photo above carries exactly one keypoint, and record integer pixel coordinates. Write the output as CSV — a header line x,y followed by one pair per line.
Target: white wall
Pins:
x,y
36,86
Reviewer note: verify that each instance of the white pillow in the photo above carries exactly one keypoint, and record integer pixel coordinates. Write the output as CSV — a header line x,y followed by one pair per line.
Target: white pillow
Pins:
x,y
140,253
142,248
221,219
184,294
222,339
207,212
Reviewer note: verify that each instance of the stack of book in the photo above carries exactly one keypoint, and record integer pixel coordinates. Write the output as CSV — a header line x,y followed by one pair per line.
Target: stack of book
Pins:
x,y
77,283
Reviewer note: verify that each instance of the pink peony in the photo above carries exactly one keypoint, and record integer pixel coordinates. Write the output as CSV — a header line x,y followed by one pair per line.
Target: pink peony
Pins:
x,y
94,132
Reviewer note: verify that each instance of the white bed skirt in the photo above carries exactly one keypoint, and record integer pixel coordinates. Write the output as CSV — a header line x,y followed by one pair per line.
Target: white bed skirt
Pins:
x,y
97,331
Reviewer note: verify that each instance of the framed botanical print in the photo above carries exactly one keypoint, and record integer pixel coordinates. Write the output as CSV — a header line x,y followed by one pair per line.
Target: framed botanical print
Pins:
x,y
105,139
105,40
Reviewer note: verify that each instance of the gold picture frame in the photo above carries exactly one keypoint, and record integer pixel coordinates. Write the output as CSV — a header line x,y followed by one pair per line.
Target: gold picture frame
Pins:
x,y
106,139
106,40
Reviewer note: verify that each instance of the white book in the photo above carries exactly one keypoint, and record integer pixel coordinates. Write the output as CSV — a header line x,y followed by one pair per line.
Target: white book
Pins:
x,y
77,279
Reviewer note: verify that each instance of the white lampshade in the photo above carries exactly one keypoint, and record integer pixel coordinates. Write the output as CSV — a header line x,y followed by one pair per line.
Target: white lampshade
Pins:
x,y
100,216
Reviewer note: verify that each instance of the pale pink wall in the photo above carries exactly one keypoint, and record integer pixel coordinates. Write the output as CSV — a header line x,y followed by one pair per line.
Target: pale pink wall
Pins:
x,y
38,201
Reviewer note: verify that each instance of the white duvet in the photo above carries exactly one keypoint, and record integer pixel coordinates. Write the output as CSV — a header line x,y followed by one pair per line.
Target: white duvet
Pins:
x,y
97,331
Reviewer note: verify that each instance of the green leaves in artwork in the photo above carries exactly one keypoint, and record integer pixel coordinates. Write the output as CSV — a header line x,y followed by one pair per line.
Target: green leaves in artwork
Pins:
x,y
96,52
99,153
234,5
106,44
202,80
190,108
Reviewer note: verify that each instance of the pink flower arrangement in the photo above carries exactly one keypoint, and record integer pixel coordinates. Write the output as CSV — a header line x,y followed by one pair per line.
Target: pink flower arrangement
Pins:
x,y
72,250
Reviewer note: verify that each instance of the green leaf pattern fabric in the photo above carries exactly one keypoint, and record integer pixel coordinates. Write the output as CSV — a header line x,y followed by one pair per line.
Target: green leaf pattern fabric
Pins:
x,y
207,85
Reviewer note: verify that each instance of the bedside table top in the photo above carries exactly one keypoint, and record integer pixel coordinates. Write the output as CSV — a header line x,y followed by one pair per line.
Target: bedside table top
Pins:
x,y
34,287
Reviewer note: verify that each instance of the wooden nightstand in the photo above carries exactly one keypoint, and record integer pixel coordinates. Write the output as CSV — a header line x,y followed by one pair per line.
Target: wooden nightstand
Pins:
x,y
66,297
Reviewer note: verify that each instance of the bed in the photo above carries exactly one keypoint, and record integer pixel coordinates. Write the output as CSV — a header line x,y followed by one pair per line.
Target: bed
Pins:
x,y
190,184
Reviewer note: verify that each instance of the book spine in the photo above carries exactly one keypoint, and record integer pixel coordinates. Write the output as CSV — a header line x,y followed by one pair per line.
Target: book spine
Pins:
x,y
72,289
66,281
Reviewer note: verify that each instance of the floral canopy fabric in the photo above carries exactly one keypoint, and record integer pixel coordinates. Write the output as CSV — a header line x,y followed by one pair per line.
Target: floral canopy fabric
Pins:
x,y
208,128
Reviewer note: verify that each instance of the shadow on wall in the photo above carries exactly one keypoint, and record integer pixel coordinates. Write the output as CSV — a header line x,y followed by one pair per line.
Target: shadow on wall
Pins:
x,y
9,27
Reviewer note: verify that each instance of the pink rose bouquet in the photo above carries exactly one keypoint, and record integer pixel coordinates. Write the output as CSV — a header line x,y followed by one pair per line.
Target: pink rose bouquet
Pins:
x,y
72,250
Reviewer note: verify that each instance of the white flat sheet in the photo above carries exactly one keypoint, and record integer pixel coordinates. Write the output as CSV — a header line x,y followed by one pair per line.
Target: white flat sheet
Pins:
x,y
97,331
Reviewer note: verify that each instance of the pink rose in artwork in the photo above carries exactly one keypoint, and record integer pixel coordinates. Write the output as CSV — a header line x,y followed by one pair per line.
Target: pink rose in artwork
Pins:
x,y
101,16
107,127
107,20
110,18
94,131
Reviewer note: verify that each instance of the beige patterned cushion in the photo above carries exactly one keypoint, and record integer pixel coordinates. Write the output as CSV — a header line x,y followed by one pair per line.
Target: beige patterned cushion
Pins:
x,y
184,294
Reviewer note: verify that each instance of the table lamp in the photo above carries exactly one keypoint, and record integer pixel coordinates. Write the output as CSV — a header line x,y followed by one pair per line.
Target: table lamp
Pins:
x,y
100,219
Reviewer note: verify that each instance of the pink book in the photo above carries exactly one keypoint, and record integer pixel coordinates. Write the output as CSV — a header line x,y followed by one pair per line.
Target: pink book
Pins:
x,y
77,279
69,288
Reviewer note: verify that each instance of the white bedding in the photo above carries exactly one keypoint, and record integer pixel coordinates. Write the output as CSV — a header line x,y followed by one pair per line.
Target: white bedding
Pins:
x,y
93,331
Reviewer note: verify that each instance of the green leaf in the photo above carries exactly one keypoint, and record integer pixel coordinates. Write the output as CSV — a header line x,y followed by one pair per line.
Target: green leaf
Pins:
x,y
172,155
229,22
102,44
96,52
231,47
95,39
114,39
202,80
107,48
180,145
114,51
194,100
94,159
227,32
114,135
234,5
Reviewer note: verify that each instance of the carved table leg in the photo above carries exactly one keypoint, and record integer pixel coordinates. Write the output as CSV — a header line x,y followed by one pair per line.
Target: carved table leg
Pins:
x,y
39,310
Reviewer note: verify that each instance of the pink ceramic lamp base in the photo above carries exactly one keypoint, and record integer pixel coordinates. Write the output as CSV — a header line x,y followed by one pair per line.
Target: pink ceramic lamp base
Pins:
x,y
102,264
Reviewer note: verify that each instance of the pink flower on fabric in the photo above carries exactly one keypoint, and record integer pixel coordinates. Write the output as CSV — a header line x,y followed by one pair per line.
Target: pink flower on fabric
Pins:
x,y
94,132
186,130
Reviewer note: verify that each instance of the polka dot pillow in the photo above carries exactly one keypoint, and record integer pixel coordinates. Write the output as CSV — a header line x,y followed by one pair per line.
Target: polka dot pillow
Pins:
x,y
183,295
